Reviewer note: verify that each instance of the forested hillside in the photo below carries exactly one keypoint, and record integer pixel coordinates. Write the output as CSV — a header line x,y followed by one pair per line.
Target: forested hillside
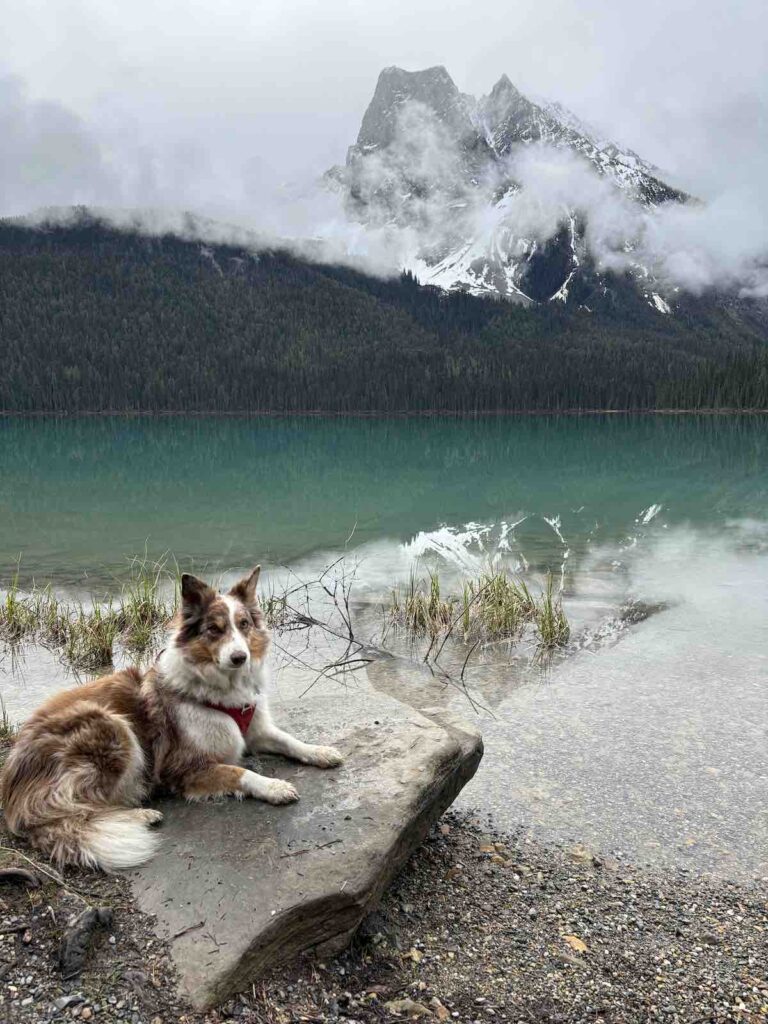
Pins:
x,y
92,319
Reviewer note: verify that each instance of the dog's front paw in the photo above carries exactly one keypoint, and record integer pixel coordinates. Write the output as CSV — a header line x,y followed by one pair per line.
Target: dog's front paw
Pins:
x,y
324,757
280,792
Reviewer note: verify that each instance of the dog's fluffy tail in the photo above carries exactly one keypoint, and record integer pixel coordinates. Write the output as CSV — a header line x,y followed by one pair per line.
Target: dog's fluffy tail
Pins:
x,y
106,839
71,784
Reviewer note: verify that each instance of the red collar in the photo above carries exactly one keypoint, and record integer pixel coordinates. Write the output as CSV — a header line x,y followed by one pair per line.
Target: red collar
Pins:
x,y
241,716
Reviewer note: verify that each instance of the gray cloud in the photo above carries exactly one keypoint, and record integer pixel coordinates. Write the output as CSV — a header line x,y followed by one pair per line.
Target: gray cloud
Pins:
x,y
294,76
721,243
234,109
48,156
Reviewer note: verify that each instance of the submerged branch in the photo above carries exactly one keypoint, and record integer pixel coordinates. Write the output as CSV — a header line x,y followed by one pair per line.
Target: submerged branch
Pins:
x,y
491,608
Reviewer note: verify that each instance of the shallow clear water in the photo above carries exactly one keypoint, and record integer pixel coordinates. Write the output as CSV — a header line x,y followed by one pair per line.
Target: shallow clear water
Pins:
x,y
656,744
649,738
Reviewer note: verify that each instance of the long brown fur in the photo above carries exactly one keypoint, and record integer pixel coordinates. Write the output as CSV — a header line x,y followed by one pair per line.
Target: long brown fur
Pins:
x,y
76,758
88,757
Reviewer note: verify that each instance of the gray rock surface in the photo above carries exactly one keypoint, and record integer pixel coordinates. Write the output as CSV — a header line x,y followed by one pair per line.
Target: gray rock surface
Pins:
x,y
432,87
239,886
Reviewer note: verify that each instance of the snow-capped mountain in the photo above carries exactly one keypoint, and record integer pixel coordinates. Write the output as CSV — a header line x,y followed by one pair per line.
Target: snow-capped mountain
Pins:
x,y
448,173
509,119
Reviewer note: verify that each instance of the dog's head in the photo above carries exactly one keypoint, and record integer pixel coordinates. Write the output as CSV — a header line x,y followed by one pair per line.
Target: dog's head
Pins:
x,y
222,631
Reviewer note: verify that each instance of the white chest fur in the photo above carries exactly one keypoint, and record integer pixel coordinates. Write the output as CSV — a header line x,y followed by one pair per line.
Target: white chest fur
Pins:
x,y
211,733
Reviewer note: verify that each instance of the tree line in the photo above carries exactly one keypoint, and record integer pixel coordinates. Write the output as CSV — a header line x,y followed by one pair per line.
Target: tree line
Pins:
x,y
95,319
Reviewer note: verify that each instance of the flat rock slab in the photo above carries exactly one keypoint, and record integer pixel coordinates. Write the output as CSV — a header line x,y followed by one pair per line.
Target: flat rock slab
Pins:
x,y
240,886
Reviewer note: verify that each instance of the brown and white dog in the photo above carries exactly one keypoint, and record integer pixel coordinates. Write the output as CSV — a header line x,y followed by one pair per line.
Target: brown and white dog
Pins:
x,y
84,761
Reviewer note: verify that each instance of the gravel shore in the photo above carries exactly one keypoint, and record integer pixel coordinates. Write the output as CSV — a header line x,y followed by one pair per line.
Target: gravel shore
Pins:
x,y
478,927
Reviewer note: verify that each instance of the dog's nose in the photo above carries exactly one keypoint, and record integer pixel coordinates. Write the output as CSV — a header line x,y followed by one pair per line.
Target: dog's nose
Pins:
x,y
238,658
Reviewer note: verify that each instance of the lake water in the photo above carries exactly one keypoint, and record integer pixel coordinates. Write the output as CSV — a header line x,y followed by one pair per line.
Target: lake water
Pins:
x,y
647,738
78,496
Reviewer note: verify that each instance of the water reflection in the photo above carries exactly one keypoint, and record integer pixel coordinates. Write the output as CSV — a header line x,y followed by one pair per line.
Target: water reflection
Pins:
x,y
79,496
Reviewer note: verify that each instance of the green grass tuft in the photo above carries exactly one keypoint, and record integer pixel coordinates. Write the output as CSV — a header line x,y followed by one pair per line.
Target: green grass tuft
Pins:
x,y
494,606
143,609
7,728
420,608
551,622
87,634
90,636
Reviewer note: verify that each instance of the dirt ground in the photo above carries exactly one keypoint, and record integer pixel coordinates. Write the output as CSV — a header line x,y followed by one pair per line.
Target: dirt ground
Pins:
x,y
477,927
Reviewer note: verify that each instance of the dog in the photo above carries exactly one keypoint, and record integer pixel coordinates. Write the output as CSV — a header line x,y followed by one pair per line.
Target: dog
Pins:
x,y
84,762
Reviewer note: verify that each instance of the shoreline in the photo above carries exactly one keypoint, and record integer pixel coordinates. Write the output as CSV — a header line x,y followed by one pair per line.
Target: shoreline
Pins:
x,y
365,414
478,925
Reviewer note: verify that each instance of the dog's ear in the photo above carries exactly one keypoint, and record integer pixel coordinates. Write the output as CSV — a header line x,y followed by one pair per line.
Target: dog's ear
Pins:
x,y
245,589
195,593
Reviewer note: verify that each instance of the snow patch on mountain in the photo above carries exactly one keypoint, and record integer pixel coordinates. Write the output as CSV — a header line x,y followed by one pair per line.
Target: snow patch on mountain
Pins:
x,y
448,169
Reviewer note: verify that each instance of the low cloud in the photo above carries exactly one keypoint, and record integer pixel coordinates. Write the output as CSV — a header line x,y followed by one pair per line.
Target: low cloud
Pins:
x,y
722,243
419,196
48,155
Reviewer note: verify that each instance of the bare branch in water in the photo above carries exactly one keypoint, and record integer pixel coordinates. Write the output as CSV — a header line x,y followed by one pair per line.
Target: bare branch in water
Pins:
x,y
492,608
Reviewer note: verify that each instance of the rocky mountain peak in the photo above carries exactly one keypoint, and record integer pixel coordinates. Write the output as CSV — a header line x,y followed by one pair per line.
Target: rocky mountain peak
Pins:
x,y
504,89
504,111
433,87
442,165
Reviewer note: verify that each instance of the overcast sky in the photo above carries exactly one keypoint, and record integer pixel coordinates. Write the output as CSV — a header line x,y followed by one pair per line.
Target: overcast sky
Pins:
x,y
135,100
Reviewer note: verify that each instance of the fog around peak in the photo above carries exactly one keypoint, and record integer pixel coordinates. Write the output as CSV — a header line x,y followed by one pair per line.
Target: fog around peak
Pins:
x,y
235,111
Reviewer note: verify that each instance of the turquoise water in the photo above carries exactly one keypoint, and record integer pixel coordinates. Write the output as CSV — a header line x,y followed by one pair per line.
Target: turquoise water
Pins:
x,y
647,739
81,495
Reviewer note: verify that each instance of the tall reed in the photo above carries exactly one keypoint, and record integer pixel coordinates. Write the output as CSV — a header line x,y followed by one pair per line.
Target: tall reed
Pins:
x,y
7,727
493,606
87,633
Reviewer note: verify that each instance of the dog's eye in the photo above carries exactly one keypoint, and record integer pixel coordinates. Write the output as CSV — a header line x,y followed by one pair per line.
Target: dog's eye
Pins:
x,y
243,624
215,630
